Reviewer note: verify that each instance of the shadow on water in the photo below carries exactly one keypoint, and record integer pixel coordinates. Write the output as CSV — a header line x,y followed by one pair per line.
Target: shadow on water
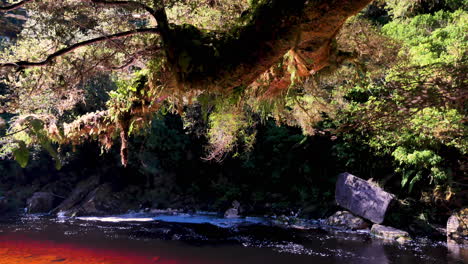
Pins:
x,y
183,239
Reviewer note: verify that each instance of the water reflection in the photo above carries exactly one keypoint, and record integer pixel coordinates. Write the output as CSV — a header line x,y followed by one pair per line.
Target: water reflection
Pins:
x,y
457,253
40,240
371,253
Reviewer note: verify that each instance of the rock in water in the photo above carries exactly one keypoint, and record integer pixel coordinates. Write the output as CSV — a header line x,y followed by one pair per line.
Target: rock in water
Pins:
x,y
80,192
100,201
390,233
234,211
231,213
457,227
346,220
362,198
40,202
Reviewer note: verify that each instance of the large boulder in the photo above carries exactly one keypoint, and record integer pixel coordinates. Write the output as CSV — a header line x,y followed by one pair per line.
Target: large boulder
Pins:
x,y
390,233
100,201
77,196
347,220
457,227
362,198
40,202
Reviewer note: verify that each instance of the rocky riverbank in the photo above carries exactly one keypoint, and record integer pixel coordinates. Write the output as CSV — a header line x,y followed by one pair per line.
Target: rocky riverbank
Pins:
x,y
364,206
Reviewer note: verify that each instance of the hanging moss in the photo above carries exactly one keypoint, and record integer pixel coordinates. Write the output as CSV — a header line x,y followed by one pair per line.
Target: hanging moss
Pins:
x,y
205,56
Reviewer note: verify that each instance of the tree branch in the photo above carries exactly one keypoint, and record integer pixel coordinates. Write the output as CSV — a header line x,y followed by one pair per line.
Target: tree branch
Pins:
x,y
51,57
126,3
264,34
13,133
14,6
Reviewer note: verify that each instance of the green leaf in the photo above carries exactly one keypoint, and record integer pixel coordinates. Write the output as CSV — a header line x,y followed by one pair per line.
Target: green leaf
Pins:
x,y
58,164
36,124
406,177
21,154
47,145
414,180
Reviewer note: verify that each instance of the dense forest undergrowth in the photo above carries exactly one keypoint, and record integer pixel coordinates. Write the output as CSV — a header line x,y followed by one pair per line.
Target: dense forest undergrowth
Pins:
x,y
388,104
285,173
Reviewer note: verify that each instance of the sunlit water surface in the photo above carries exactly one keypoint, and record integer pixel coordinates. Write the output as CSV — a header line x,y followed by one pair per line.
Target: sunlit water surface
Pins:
x,y
202,238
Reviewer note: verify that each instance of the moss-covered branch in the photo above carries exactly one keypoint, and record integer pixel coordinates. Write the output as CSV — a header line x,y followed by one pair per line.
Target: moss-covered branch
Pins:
x,y
263,35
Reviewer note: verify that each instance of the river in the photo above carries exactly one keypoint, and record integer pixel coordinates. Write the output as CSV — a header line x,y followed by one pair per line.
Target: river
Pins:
x,y
201,238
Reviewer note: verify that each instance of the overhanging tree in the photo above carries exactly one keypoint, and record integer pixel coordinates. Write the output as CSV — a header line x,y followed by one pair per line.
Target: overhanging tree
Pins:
x,y
78,40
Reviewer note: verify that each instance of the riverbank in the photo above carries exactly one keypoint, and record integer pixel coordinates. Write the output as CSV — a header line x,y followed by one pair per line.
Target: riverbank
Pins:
x,y
91,184
94,196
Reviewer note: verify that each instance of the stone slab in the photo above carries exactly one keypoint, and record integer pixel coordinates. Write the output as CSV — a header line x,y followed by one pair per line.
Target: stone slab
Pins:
x,y
362,198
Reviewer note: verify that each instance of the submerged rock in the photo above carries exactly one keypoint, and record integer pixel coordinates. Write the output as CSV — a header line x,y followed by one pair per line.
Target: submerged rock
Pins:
x,y
292,221
345,219
40,202
390,233
362,198
457,227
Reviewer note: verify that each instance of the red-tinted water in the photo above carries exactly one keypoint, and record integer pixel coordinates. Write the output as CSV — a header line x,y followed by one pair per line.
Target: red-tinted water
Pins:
x,y
31,240
22,250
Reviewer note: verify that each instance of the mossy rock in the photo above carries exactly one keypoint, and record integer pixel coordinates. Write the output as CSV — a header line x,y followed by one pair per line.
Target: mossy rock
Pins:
x,y
457,226
390,233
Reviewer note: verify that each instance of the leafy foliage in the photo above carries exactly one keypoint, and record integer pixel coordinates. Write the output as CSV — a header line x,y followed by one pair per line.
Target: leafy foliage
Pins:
x,y
410,8
415,111
390,98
